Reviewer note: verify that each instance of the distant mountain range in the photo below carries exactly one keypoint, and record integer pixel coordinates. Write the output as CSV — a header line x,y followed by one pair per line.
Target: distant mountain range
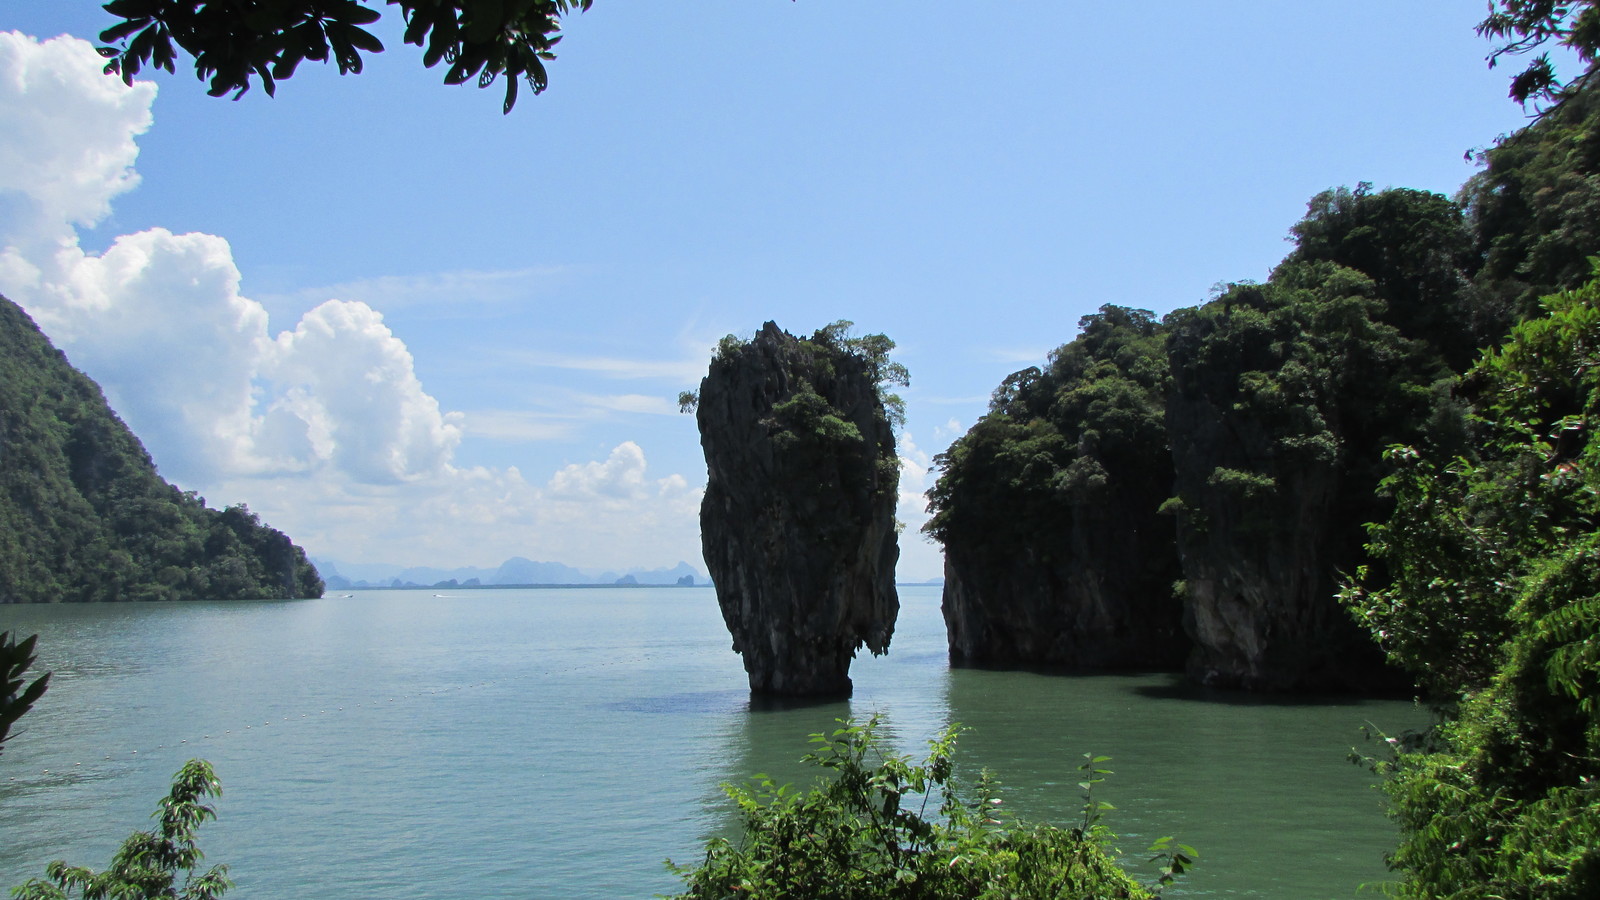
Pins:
x,y
514,571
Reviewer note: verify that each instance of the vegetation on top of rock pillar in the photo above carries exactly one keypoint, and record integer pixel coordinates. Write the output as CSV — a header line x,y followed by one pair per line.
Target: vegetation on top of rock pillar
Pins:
x,y
1418,250
872,349
797,523
1055,437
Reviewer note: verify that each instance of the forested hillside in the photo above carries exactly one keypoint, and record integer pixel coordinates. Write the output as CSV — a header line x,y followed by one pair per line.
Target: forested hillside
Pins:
x,y
85,517
1217,469
1048,509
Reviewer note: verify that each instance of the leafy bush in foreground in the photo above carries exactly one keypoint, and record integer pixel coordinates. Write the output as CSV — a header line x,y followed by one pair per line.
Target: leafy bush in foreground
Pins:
x,y
15,699
147,865
1492,595
867,833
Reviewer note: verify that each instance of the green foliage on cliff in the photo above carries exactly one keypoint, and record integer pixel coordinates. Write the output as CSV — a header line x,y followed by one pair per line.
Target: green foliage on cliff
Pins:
x,y
1277,400
1055,438
85,517
811,420
1284,395
1535,210
1297,374
1492,597
148,864
867,833
812,427
1055,492
1417,248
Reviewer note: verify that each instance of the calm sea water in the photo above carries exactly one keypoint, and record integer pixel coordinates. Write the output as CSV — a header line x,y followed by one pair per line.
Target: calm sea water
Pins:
x,y
562,743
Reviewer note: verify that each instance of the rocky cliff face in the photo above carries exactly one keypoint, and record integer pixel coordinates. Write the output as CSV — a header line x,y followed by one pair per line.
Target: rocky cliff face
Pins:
x,y
1284,395
1055,553
1089,612
797,522
1258,546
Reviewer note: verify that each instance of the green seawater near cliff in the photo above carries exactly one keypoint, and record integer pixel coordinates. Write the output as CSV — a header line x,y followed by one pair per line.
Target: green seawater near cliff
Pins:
x,y
561,743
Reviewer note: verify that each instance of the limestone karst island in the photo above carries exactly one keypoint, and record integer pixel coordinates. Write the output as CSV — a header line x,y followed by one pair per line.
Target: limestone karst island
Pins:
x,y
1279,576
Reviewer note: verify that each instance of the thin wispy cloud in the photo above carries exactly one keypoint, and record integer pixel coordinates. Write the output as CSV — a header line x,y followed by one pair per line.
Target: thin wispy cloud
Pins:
x,y
679,371
650,404
517,426
458,290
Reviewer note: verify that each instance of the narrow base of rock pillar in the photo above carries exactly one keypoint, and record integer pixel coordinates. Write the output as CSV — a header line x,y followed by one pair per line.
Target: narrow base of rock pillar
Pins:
x,y
772,684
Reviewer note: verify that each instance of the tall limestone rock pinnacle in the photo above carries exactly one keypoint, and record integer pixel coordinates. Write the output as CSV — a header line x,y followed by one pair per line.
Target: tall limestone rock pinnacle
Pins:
x,y
798,519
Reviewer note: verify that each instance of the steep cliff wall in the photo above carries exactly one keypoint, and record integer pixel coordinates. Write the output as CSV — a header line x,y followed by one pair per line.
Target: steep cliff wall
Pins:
x,y
1055,552
1284,396
797,522
85,517
1089,612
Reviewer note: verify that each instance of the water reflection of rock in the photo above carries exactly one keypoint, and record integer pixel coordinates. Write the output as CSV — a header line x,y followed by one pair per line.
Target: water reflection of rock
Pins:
x,y
1249,781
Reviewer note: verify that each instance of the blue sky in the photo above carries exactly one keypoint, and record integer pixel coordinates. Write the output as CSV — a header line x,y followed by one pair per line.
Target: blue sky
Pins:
x,y
521,297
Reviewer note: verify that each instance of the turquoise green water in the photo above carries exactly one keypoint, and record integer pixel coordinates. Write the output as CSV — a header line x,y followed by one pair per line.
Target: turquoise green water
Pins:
x,y
562,743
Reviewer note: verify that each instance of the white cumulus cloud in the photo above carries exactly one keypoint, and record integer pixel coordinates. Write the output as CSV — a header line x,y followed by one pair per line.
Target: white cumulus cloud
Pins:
x,y
352,399
619,477
323,428
71,147
158,321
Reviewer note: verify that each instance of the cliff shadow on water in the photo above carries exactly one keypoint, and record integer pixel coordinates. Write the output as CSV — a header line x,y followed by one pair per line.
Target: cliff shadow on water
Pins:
x,y
1249,780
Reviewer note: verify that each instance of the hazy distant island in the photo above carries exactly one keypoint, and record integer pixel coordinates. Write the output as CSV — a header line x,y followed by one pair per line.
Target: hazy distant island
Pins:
x,y
514,572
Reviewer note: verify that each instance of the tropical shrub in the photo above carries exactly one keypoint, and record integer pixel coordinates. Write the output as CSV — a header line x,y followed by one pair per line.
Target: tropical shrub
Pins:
x,y
15,697
1492,595
148,864
868,832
